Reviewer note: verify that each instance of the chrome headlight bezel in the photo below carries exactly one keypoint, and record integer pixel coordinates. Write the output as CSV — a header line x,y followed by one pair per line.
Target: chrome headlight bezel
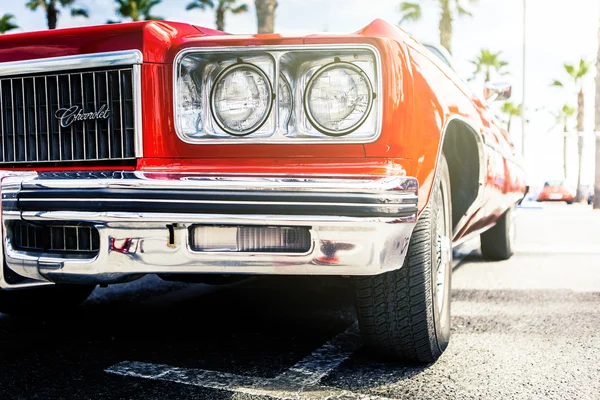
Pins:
x,y
268,109
297,64
306,100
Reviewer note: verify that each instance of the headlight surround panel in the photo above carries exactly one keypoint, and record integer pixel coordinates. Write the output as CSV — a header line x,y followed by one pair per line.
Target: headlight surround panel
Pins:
x,y
289,71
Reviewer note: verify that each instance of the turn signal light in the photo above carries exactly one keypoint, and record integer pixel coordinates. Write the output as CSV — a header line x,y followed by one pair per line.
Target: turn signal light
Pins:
x,y
251,239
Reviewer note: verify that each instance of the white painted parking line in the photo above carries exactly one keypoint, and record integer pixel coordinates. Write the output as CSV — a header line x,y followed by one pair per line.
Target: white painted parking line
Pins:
x,y
302,380
189,376
310,370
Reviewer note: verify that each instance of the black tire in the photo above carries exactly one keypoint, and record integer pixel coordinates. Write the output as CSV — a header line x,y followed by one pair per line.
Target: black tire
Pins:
x,y
43,301
398,311
569,202
498,242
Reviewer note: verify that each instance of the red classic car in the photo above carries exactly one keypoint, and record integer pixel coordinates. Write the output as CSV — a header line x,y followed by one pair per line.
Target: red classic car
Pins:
x,y
556,191
170,149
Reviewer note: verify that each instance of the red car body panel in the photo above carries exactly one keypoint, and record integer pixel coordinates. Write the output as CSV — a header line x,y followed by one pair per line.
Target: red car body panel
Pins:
x,y
422,96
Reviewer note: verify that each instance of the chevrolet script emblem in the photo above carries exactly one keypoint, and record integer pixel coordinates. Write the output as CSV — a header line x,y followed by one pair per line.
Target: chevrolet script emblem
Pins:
x,y
67,116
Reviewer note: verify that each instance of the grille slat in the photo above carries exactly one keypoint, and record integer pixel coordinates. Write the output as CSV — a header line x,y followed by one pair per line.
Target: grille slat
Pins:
x,y
13,126
31,130
35,120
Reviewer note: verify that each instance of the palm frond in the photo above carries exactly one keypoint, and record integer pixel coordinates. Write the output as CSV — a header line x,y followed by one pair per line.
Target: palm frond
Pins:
x,y
584,68
6,23
240,9
568,111
200,5
410,12
460,10
34,4
570,69
557,83
487,60
79,12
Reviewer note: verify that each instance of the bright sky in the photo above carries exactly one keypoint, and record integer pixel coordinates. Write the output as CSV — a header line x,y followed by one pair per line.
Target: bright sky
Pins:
x,y
558,31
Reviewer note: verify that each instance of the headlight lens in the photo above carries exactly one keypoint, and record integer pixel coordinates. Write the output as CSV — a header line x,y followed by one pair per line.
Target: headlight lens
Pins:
x,y
241,99
286,102
338,98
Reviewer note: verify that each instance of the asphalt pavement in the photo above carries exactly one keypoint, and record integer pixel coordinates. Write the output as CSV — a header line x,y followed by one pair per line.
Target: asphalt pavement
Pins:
x,y
526,328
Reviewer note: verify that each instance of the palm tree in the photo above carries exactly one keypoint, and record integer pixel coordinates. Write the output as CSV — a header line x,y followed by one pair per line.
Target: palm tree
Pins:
x,y
137,10
265,14
52,9
577,73
487,61
221,7
7,24
511,110
596,130
562,117
449,10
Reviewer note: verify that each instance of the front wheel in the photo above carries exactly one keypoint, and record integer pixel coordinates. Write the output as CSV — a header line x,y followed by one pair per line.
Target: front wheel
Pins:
x,y
47,300
404,315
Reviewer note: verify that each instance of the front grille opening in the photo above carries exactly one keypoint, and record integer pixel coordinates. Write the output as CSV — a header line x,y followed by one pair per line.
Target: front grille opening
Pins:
x,y
250,239
62,239
62,117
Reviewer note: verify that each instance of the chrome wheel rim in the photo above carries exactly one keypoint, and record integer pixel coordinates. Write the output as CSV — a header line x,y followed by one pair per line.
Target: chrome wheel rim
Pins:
x,y
443,247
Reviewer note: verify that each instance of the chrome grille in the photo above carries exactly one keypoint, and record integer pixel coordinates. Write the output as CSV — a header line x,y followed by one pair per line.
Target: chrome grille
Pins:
x,y
31,132
55,238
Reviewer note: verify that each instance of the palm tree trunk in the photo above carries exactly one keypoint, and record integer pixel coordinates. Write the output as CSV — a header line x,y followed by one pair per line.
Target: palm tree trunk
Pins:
x,y
265,15
508,124
580,154
565,150
597,172
596,130
580,109
446,27
134,13
220,19
52,15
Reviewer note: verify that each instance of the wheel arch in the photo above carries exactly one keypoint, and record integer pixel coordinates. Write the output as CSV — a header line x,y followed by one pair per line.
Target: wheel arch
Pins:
x,y
463,149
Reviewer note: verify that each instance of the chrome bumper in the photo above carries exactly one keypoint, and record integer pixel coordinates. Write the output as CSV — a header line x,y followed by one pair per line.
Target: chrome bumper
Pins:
x,y
357,226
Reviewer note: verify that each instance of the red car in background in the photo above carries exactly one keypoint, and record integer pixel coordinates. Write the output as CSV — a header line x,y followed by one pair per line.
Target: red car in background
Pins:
x,y
556,191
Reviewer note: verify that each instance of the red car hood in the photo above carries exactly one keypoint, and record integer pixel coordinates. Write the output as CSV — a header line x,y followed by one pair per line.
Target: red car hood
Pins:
x,y
159,41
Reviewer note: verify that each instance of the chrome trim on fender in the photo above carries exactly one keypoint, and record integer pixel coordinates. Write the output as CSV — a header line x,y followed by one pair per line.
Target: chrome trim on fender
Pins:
x,y
137,110
67,63
137,243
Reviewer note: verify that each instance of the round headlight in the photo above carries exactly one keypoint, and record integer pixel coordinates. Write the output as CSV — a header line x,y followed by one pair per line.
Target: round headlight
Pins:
x,y
241,99
338,99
